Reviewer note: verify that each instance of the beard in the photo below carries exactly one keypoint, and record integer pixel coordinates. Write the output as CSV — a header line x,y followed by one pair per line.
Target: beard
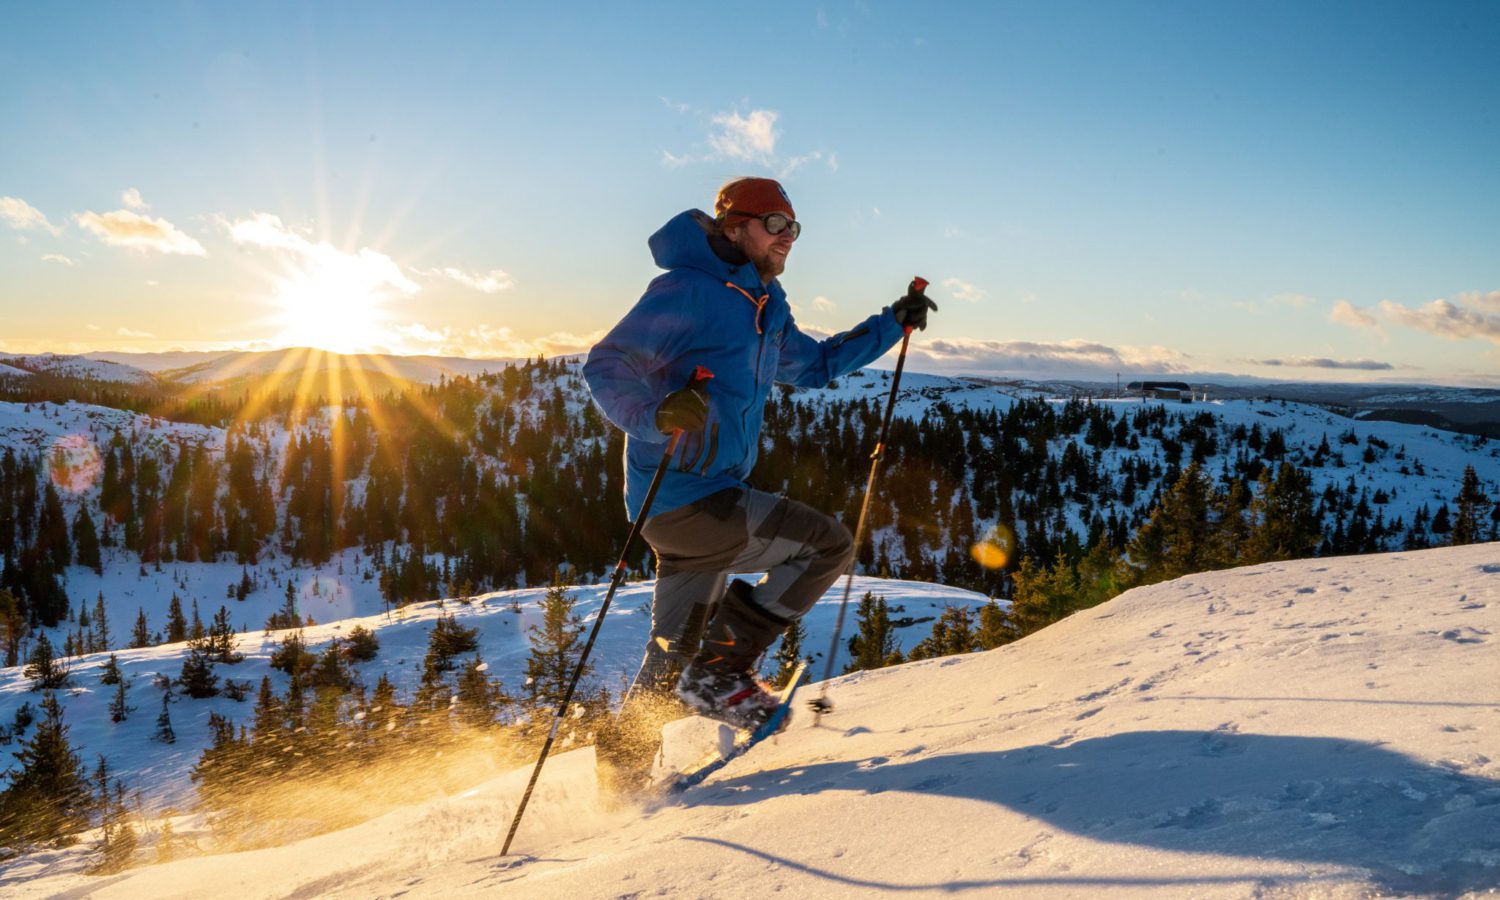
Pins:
x,y
768,264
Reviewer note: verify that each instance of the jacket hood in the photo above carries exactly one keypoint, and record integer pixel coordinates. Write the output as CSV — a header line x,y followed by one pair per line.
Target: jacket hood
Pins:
x,y
683,243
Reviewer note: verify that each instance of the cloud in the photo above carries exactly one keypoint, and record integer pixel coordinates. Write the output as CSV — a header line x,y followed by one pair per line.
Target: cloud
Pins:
x,y
1346,313
132,333
962,290
1318,362
1064,359
750,138
132,199
1446,319
492,282
1296,300
823,304
1489,302
1474,315
59,259
369,268
123,228
22,216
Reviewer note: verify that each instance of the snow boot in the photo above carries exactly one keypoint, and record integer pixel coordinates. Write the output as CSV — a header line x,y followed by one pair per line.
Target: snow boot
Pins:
x,y
721,684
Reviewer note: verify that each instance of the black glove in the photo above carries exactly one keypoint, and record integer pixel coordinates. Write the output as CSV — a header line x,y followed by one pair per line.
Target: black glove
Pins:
x,y
911,310
686,409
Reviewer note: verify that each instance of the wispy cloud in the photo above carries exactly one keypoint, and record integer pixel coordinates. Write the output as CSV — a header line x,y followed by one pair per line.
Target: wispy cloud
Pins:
x,y
1346,313
1445,319
123,228
22,216
492,282
132,199
823,304
963,290
369,268
1475,315
751,138
1318,362
132,333
59,259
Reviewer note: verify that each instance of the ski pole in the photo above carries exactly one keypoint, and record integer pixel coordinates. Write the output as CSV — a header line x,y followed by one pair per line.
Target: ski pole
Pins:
x,y
701,375
821,703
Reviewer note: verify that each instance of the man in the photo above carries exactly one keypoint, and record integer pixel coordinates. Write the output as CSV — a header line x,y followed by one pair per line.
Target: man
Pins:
x,y
719,305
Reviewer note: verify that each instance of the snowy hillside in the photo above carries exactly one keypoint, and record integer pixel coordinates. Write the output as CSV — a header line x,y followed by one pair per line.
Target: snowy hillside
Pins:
x,y
160,773
1322,728
81,367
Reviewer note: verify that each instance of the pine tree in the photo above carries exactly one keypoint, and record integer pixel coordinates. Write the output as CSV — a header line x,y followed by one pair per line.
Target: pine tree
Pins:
x,y
219,642
873,646
789,652
197,678
13,627
111,673
119,710
48,798
177,627
140,635
46,672
1285,523
86,537
101,638
479,699
1472,504
555,649
118,839
993,631
1178,538
164,733
952,633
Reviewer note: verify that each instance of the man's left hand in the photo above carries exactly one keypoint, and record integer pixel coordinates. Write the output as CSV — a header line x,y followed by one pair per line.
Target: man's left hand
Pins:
x,y
911,310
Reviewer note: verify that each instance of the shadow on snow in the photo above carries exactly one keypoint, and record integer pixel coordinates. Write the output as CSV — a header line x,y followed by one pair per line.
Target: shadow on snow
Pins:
x,y
1411,826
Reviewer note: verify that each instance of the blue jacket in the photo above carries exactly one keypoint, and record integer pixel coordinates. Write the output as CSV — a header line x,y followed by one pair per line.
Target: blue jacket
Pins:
x,y
707,312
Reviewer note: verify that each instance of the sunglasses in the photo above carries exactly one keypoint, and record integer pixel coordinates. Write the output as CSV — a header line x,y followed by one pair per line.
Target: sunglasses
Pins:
x,y
775,222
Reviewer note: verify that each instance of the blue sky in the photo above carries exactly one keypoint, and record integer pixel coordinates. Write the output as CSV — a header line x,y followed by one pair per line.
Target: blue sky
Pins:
x,y
1282,190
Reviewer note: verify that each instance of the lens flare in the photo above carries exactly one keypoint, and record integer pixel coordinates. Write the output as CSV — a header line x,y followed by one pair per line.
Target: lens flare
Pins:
x,y
995,549
74,463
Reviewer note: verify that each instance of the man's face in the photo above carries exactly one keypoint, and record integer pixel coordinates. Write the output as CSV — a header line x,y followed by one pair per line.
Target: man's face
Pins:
x,y
767,251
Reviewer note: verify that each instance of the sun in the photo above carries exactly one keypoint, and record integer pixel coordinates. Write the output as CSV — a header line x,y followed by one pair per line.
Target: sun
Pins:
x,y
335,305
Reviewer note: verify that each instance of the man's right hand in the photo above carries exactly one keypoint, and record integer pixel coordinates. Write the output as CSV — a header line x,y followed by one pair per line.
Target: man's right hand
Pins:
x,y
686,409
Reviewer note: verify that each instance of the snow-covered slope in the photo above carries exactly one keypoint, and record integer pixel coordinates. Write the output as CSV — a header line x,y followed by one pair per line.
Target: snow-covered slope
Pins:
x,y
161,773
1323,728
81,367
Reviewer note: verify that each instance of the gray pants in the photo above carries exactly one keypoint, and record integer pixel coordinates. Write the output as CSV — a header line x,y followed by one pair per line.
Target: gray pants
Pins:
x,y
801,550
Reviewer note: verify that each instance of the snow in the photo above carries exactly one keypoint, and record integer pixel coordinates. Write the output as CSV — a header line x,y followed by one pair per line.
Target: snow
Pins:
x,y
1320,728
81,367
160,772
